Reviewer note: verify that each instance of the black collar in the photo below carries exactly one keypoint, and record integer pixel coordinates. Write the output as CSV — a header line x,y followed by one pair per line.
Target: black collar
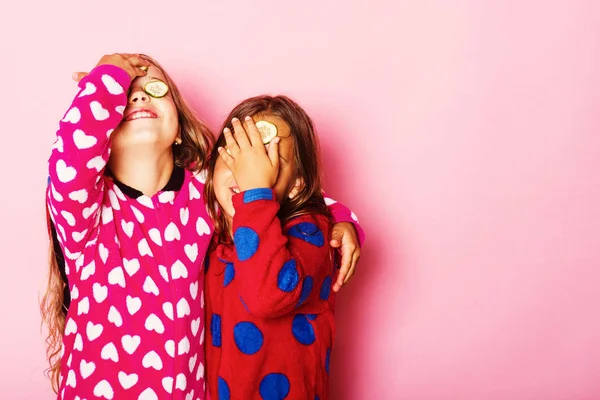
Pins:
x,y
175,183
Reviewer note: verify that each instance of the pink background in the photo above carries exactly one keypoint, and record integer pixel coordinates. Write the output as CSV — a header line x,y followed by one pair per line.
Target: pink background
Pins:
x,y
463,134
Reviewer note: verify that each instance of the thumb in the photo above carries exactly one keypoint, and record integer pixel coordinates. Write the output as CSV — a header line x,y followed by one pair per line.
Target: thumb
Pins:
x,y
274,152
77,76
336,238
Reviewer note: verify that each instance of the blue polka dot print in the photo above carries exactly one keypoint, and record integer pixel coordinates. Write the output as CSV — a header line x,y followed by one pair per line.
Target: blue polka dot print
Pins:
x,y
224,393
302,330
307,286
274,387
246,242
326,288
215,330
248,338
308,232
229,274
288,276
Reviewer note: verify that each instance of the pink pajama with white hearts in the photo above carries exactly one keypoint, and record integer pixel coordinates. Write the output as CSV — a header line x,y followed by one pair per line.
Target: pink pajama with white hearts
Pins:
x,y
135,325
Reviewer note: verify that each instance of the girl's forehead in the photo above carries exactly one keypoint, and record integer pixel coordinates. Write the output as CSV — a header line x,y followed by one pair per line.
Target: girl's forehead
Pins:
x,y
153,73
283,129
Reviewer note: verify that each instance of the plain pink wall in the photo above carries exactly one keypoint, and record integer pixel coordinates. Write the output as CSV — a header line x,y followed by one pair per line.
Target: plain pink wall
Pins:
x,y
463,134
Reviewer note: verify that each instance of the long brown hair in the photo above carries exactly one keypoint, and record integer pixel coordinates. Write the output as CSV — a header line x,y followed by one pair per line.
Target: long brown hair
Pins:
x,y
306,155
196,141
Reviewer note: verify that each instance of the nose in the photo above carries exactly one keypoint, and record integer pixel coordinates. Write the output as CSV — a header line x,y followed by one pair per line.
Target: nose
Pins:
x,y
138,96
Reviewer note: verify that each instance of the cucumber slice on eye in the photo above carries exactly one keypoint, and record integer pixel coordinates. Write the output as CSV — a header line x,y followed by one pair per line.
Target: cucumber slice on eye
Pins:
x,y
267,130
156,89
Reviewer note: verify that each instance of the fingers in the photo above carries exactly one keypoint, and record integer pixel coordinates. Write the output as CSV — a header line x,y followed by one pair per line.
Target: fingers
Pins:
x,y
353,263
230,142
136,62
253,132
240,134
229,161
273,152
77,76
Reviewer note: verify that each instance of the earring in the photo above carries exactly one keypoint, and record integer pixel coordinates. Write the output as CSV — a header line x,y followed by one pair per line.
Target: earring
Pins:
x,y
177,142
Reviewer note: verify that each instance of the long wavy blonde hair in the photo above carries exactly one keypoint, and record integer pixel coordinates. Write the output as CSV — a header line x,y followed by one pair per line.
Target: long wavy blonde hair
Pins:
x,y
196,142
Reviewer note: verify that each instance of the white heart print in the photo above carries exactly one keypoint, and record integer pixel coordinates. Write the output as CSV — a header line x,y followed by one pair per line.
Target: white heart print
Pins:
x,y
78,236
144,249
168,310
152,360
109,352
90,210
194,193
184,215
167,384
96,163
114,201
103,389
191,250
127,228
131,266
146,201
79,196
65,173
166,197
130,343
59,145
148,394
155,236
138,215
99,112
178,270
195,325
120,110
73,116
112,85
71,379
114,316
127,381
170,347
192,362
202,227
163,272
183,308
88,271
150,286
133,304
116,277
90,88
181,382
184,346
86,368
83,307
100,292
68,217
153,323
103,252
172,233
78,345
194,290
71,327
83,141
93,331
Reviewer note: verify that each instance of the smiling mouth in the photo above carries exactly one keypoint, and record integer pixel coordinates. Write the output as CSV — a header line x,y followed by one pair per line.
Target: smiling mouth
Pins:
x,y
140,115
235,190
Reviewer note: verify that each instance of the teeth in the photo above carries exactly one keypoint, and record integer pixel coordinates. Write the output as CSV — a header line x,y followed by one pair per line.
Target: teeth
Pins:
x,y
236,191
141,114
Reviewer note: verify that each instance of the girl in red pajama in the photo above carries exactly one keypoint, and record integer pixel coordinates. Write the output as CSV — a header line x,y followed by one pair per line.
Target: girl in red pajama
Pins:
x,y
270,269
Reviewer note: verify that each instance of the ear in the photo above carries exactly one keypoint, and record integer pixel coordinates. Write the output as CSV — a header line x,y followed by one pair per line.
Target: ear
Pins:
x,y
297,188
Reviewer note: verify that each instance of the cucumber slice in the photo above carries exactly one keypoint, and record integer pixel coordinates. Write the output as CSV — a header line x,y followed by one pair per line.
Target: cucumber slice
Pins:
x,y
267,130
156,89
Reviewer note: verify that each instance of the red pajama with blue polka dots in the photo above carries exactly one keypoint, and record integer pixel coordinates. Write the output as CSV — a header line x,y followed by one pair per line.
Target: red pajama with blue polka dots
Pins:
x,y
269,301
